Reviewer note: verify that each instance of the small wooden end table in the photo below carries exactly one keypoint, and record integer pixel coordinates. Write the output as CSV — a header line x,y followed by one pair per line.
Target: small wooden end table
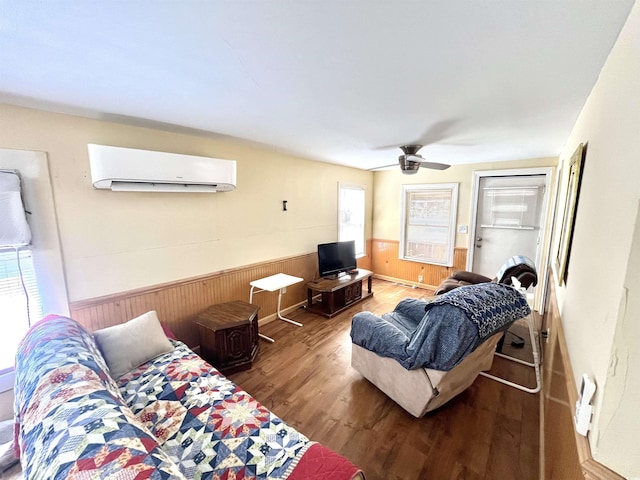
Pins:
x,y
229,335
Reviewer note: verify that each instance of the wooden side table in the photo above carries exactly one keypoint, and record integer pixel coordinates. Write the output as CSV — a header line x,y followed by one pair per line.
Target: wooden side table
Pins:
x,y
229,335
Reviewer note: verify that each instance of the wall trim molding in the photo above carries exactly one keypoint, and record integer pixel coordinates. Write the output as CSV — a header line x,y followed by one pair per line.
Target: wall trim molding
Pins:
x,y
386,264
591,468
558,378
178,303
284,311
113,297
409,283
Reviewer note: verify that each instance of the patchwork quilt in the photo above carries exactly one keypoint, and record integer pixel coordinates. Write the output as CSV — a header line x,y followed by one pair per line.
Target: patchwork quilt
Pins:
x,y
175,417
206,424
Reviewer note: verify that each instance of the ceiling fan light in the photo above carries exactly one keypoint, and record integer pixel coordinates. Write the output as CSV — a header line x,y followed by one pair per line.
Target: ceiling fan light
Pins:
x,y
408,167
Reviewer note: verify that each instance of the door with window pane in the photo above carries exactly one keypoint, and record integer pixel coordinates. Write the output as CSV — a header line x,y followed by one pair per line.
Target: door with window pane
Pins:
x,y
508,221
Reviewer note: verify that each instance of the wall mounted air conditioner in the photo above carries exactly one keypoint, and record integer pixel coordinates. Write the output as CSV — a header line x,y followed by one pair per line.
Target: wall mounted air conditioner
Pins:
x,y
132,170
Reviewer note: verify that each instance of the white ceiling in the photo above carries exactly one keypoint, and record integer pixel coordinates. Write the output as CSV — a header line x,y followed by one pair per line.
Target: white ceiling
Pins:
x,y
342,81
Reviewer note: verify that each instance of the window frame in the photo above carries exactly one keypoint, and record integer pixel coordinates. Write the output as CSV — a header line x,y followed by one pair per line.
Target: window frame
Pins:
x,y
45,249
363,189
407,190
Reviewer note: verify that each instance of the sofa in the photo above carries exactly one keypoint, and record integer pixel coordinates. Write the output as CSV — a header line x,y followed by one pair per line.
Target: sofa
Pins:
x,y
424,353
86,410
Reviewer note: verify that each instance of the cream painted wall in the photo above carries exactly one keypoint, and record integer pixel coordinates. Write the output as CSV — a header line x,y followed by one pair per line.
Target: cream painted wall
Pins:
x,y
113,242
388,192
599,303
619,418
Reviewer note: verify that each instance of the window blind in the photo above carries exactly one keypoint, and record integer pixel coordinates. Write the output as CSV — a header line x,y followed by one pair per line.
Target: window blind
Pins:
x,y
19,301
429,219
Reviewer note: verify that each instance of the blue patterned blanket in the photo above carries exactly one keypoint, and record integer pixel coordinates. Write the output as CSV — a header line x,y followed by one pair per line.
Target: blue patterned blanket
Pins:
x,y
491,307
441,333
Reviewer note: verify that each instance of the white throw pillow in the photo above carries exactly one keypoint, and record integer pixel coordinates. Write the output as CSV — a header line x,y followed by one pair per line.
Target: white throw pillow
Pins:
x,y
131,344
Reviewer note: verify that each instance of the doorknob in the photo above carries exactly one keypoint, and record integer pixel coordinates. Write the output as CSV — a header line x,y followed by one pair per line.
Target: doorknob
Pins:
x,y
478,240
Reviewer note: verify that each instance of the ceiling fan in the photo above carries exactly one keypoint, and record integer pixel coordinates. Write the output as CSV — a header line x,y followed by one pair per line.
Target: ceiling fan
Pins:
x,y
410,162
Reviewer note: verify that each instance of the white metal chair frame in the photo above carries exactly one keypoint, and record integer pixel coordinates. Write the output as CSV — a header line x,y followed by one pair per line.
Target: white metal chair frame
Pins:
x,y
535,364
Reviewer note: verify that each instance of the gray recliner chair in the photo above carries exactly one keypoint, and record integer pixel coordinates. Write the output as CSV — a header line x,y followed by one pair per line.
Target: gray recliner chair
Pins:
x,y
424,353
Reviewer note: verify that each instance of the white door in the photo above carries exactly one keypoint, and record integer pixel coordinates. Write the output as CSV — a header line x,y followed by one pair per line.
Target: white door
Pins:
x,y
509,216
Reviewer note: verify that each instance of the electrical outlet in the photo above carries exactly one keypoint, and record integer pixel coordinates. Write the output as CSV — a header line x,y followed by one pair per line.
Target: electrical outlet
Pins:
x,y
419,278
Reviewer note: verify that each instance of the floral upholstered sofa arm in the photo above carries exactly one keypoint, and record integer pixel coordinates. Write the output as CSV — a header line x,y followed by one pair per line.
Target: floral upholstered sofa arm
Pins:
x,y
72,420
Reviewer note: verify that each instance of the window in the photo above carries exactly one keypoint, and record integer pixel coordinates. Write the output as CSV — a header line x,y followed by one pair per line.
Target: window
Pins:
x,y
19,302
41,262
511,207
351,214
428,223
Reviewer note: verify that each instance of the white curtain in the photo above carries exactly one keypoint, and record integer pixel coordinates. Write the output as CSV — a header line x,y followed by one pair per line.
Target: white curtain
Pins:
x,y
14,229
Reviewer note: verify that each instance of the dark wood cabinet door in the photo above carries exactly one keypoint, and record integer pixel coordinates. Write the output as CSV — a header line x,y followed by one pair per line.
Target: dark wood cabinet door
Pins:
x,y
352,293
237,344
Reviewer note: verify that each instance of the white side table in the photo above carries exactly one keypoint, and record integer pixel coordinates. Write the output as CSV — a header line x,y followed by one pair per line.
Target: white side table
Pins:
x,y
280,282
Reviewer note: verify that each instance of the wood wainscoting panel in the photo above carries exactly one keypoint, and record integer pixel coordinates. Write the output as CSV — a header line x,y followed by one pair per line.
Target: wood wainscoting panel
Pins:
x,y
178,303
387,264
365,262
560,455
566,454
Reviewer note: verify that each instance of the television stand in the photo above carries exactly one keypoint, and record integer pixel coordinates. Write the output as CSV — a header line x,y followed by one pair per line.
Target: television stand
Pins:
x,y
338,294
336,276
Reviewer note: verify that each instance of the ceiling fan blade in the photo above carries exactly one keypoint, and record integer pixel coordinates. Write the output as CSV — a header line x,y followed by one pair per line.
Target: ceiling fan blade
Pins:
x,y
438,131
434,165
374,169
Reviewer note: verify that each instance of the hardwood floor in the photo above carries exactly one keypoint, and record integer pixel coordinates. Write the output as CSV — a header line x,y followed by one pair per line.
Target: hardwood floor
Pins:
x,y
490,431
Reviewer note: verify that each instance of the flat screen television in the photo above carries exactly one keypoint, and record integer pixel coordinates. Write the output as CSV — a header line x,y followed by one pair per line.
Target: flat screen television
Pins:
x,y
337,257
